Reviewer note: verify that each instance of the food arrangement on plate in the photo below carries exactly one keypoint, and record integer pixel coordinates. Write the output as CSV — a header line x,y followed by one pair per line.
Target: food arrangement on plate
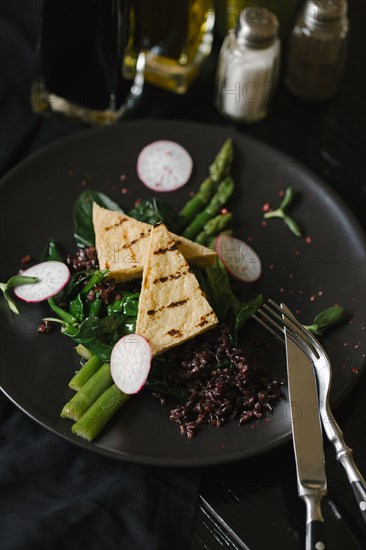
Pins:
x,y
153,309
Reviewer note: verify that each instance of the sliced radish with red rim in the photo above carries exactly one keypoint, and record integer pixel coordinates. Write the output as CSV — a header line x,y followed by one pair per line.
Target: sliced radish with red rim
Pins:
x,y
130,363
239,258
164,166
52,277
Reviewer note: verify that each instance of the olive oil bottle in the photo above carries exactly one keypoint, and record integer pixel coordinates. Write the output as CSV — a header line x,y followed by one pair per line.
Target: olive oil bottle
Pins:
x,y
176,37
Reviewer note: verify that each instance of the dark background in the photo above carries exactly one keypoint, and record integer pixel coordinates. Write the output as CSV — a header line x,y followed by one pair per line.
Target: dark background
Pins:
x,y
250,504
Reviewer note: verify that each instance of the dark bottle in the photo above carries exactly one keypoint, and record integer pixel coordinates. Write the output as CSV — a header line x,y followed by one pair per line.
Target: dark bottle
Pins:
x,y
80,56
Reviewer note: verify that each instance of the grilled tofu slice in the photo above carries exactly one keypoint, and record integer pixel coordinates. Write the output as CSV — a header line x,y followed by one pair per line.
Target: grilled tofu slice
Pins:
x,y
122,244
172,306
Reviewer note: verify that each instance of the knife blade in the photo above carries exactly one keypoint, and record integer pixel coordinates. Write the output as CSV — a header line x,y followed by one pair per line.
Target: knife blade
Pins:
x,y
307,439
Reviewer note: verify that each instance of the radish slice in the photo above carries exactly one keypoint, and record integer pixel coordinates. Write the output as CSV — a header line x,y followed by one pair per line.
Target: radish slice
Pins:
x,y
53,276
130,363
164,166
239,259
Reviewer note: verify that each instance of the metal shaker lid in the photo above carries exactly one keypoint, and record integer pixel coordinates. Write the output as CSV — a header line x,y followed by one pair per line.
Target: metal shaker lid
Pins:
x,y
320,12
257,26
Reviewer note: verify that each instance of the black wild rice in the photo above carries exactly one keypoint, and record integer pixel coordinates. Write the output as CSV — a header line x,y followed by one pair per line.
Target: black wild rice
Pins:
x,y
84,259
222,383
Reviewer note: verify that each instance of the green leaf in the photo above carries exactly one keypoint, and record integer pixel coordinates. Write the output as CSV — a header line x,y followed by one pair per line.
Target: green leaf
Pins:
x,y
16,280
245,312
288,199
152,211
330,317
219,293
128,304
281,213
100,335
82,215
76,308
157,381
64,315
96,278
292,225
274,214
51,252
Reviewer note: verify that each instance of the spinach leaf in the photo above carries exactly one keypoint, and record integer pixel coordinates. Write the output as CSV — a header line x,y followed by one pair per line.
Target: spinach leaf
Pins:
x,y
152,211
244,313
82,215
76,308
156,382
51,252
100,335
127,304
64,315
219,293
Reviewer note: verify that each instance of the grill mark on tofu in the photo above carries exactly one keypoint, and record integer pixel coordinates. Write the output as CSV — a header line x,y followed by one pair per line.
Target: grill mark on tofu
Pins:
x,y
178,303
170,306
174,332
204,319
171,277
165,250
117,224
134,241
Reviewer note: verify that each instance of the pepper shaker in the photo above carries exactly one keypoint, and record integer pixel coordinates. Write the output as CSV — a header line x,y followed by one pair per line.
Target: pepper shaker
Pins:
x,y
317,49
248,66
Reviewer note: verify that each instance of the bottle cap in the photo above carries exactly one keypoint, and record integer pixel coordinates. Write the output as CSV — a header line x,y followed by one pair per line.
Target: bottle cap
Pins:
x,y
257,26
323,12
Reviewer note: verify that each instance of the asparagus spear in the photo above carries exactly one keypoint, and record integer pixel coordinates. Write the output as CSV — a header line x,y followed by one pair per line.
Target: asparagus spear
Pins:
x,y
222,164
218,170
88,394
96,417
86,372
222,195
214,227
83,352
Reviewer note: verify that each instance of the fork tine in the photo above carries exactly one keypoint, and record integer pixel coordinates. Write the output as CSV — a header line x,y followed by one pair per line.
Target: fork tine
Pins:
x,y
272,324
275,334
296,327
276,325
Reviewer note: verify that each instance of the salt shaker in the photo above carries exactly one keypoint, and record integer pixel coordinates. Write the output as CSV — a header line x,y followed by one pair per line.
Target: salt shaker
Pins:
x,y
248,66
317,49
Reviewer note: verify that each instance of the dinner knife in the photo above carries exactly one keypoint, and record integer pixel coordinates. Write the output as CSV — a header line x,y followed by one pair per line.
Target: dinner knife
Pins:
x,y
307,439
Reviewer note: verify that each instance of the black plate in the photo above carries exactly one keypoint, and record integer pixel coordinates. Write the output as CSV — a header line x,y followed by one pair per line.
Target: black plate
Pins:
x,y
307,274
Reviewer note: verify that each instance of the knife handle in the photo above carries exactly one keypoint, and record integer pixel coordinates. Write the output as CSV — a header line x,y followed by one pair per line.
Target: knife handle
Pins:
x,y
360,494
315,532
315,539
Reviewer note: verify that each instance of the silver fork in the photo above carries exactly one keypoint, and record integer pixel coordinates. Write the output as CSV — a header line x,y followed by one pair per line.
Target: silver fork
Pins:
x,y
273,318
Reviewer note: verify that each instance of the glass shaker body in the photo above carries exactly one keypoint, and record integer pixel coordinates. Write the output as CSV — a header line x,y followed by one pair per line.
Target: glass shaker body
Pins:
x,y
246,78
316,58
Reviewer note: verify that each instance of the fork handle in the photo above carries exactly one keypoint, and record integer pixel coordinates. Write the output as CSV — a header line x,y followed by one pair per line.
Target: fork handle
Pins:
x,y
360,494
358,484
